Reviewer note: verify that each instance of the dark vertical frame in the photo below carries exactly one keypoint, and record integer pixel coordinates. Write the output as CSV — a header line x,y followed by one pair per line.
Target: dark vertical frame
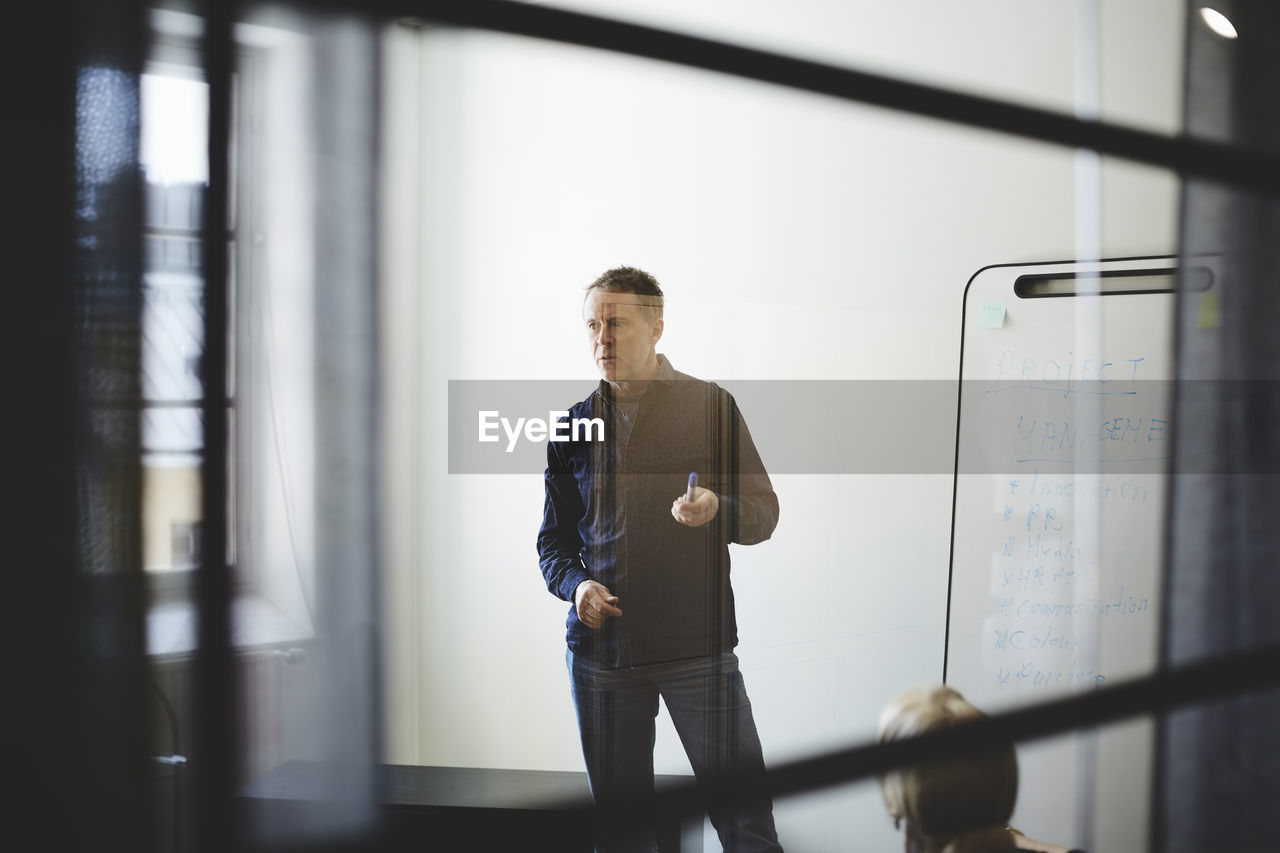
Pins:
x,y
108,596
1218,773
215,765
72,610
38,344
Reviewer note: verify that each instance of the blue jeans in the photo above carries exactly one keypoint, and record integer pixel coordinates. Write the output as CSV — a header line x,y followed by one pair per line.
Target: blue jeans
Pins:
x,y
708,704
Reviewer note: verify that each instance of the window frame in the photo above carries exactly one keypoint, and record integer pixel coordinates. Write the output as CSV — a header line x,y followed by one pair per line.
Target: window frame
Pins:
x,y
175,51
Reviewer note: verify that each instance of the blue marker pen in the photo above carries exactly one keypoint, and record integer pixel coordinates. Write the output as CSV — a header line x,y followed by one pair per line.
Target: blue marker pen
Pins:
x,y
693,484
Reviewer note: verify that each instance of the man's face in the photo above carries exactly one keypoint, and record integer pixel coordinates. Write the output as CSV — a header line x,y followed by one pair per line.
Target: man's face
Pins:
x,y
623,334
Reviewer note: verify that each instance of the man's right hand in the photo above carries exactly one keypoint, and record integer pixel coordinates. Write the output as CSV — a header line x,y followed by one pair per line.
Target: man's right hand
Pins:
x,y
595,603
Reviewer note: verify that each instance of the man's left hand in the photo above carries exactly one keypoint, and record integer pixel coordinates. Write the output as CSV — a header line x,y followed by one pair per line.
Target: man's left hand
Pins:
x,y
699,511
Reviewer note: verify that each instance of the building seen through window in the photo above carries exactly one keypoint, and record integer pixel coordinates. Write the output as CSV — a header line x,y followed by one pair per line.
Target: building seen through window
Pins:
x,y
174,131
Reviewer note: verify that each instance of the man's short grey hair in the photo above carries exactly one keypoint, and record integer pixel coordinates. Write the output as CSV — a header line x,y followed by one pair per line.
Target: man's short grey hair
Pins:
x,y
631,280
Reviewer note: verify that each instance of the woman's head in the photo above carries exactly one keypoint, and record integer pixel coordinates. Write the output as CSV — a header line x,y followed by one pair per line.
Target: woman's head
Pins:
x,y
956,805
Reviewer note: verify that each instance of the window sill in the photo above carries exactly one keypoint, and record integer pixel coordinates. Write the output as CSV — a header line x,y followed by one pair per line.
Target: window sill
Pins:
x,y
255,623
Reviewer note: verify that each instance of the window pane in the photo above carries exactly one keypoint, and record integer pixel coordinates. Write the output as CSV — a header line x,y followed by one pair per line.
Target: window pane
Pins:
x,y
171,514
173,327
175,127
174,133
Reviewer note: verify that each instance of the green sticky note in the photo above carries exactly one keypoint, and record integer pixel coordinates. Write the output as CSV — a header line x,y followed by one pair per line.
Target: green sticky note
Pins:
x,y
991,314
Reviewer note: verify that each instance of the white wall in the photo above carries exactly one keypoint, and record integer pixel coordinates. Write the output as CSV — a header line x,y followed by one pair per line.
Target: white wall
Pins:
x,y
796,237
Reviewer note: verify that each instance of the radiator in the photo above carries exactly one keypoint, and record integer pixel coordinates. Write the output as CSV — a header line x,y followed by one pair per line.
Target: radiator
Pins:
x,y
265,682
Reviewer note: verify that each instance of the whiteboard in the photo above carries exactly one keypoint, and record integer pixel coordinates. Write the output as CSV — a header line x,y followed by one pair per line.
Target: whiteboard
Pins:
x,y
1057,523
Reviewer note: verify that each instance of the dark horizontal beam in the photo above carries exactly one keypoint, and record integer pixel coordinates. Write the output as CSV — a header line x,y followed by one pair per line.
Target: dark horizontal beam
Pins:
x,y
1246,168
144,403
1195,684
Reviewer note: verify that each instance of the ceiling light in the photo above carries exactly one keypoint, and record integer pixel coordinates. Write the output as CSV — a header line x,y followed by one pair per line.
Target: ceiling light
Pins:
x,y
1217,22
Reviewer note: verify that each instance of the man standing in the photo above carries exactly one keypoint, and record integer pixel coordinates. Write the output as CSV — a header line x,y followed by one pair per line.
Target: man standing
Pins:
x,y
647,569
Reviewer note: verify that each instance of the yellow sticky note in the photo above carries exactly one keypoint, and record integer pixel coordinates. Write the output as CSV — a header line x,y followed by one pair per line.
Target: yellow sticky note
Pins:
x,y
1210,315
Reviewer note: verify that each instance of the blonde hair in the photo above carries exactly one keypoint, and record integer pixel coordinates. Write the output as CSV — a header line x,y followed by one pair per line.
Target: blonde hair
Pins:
x,y
959,805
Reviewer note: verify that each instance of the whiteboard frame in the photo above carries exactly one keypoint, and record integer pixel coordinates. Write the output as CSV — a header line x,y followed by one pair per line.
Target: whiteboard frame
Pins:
x,y
1081,792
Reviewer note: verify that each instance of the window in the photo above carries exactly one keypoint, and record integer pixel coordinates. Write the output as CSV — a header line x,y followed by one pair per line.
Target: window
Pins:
x,y
269,374
175,108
